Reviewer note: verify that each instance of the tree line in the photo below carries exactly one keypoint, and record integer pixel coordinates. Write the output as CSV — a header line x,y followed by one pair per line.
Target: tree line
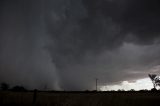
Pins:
x,y
6,87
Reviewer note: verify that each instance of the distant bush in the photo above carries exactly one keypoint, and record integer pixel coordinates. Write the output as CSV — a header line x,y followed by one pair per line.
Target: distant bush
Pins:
x,y
86,91
120,90
18,88
153,89
94,91
132,90
4,86
143,90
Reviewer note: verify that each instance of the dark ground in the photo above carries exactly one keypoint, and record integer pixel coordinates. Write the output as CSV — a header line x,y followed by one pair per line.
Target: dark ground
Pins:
x,y
10,98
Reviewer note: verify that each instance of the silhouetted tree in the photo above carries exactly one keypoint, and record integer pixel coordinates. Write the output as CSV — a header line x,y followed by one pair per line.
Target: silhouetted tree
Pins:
x,y
4,86
143,90
155,80
86,91
120,90
132,90
153,89
18,88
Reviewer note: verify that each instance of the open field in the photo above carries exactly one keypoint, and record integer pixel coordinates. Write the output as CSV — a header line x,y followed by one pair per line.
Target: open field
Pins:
x,y
8,98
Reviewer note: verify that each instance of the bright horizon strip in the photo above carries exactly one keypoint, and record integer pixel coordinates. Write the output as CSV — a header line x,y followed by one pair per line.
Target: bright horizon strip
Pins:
x,y
140,84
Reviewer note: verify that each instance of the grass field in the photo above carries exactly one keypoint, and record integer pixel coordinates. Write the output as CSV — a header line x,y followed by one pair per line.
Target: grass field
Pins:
x,y
8,98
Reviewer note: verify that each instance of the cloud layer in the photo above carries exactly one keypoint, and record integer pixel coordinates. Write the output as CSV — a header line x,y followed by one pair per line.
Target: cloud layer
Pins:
x,y
67,44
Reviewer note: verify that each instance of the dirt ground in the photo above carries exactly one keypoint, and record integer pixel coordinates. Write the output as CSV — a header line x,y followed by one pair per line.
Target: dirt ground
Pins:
x,y
8,98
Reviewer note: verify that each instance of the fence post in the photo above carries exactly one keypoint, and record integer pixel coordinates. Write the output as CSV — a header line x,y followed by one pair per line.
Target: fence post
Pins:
x,y
34,96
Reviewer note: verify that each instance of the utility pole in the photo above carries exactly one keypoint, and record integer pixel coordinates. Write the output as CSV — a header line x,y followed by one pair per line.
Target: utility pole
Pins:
x,y
96,84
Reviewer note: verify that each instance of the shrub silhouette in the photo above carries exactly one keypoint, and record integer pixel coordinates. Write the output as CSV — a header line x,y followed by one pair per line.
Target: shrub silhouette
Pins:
x,y
120,90
154,90
4,86
132,90
18,88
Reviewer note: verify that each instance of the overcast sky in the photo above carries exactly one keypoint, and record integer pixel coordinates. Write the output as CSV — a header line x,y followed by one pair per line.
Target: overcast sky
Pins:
x,y
67,44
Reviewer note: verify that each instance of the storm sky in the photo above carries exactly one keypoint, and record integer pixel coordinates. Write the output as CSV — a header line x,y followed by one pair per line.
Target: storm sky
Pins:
x,y
67,44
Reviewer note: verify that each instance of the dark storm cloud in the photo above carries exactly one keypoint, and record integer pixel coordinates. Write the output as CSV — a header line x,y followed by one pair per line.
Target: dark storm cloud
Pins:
x,y
77,33
77,41
23,59
139,17
99,26
103,24
142,19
